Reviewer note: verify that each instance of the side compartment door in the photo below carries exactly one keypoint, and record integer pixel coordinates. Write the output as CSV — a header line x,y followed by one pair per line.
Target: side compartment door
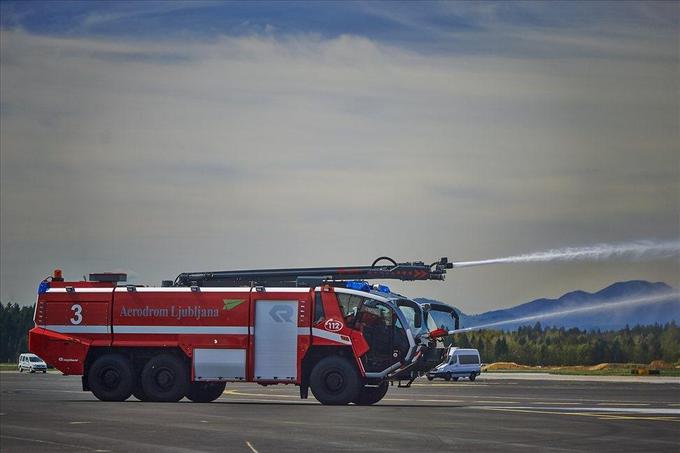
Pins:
x,y
276,340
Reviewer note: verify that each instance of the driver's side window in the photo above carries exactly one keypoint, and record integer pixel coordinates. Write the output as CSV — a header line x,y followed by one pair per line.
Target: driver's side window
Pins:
x,y
349,305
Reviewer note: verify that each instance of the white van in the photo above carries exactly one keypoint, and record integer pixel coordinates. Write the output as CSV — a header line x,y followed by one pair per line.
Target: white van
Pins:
x,y
32,363
459,363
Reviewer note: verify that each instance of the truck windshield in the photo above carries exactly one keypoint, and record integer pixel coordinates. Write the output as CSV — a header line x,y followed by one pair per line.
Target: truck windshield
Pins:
x,y
440,319
411,312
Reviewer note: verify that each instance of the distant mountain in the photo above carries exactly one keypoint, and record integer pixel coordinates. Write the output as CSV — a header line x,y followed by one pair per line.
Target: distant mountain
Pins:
x,y
609,317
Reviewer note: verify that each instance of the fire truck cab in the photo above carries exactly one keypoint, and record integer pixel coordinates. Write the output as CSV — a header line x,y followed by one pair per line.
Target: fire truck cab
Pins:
x,y
344,340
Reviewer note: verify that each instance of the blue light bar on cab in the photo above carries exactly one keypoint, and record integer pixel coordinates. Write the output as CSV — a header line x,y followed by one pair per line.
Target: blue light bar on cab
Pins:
x,y
358,285
382,288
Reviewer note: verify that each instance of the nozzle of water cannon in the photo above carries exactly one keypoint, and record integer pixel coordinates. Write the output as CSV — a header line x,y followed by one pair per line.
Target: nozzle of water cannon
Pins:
x,y
439,333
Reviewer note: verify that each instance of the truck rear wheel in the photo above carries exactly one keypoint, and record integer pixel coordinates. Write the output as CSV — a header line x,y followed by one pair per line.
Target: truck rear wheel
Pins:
x,y
111,378
205,392
164,379
473,376
335,381
371,395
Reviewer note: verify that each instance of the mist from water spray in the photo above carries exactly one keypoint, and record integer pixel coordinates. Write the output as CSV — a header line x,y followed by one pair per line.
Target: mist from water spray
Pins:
x,y
667,296
634,251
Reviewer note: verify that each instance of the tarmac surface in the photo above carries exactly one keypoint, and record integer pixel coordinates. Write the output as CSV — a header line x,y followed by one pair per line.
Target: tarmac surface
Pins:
x,y
495,413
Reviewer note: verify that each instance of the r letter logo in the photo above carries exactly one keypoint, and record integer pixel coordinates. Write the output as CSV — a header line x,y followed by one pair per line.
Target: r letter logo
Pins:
x,y
281,313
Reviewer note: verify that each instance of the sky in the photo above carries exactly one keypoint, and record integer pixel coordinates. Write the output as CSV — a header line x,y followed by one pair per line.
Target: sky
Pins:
x,y
162,137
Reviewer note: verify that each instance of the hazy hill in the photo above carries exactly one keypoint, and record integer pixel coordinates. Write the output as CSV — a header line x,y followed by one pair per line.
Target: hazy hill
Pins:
x,y
607,318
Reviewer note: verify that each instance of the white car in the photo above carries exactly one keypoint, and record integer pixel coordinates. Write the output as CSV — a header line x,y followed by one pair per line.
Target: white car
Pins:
x,y
459,363
32,363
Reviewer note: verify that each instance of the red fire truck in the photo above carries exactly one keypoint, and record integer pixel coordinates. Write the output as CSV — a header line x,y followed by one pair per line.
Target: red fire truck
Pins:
x,y
326,329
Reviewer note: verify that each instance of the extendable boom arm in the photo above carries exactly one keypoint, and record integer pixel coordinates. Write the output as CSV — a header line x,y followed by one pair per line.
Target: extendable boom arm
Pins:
x,y
310,275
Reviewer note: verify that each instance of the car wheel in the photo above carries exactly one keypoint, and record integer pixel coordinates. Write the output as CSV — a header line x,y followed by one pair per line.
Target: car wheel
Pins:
x,y
44,371
455,379
334,380
473,376
32,370
21,370
205,392
447,377
111,378
165,378
371,395
430,378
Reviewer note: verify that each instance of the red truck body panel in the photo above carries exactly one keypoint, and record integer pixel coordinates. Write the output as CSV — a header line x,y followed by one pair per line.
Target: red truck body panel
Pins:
x,y
73,317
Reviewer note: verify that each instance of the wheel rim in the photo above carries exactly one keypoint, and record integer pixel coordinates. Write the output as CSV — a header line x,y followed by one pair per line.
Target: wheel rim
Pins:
x,y
164,379
334,381
110,378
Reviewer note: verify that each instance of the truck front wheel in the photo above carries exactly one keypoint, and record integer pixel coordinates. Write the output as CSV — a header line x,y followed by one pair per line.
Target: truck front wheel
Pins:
x,y
111,378
164,379
371,395
205,392
335,381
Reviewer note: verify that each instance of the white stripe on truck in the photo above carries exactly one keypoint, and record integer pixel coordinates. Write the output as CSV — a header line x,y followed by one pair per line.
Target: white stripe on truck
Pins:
x,y
77,329
231,330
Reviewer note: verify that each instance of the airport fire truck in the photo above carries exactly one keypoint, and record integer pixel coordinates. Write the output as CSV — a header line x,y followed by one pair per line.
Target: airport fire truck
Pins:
x,y
324,329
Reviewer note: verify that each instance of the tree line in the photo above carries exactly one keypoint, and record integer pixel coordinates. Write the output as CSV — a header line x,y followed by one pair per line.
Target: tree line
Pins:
x,y
15,322
528,345
535,345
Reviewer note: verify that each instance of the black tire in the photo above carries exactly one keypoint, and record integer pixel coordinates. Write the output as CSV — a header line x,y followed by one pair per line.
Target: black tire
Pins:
x,y
32,371
371,395
455,378
205,392
164,379
447,377
111,378
473,376
21,370
335,381
44,371
430,378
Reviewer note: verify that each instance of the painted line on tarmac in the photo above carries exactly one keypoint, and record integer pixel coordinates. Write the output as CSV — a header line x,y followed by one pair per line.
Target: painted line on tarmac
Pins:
x,y
631,410
624,404
249,445
38,441
600,416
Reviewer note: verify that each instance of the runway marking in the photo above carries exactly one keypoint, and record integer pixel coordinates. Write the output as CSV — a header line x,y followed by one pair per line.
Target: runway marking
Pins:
x,y
623,404
251,447
580,414
619,410
460,384
236,392
79,423
496,402
553,402
38,441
